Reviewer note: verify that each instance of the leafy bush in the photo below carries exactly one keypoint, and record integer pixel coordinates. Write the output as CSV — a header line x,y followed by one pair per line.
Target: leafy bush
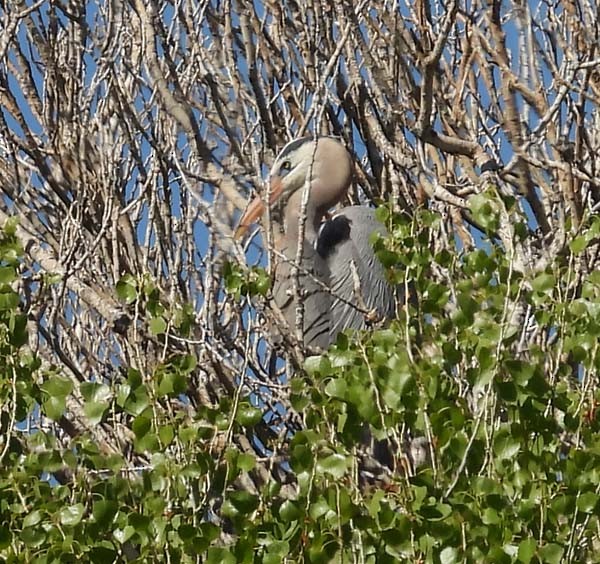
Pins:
x,y
483,391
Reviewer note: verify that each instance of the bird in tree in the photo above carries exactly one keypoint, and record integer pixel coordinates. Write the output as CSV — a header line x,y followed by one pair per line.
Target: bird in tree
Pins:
x,y
340,281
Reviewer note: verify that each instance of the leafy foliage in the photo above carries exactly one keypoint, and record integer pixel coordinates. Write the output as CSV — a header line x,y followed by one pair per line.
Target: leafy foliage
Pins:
x,y
147,413
509,468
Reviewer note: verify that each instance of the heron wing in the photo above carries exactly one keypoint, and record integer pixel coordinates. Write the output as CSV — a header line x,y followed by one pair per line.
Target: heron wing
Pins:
x,y
356,276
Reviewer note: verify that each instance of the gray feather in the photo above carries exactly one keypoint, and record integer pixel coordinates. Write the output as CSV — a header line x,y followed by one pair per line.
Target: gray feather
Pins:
x,y
330,261
376,293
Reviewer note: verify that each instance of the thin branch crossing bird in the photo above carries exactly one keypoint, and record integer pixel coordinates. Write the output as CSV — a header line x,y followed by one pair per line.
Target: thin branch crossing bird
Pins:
x,y
339,279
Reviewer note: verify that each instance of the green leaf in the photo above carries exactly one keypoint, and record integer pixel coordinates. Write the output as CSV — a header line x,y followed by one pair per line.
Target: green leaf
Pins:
x,y
385,337
302,458
57,386
246,462
141,523
587,502
54,407
507,391
398,382
579,244
9,300
505,446
220,556
172,383
149,442
318,509
544,283
436,511
104,511
94,391
52,278
137,401
484,209
276,552
127,289
123,535
336,388
7,274
71,515
551,553
382,213
289,511
5,537
519,371
527,548
185,363
17,326
32,519
481,485
260,282
141,425
33,536
158,326
102,555
449,555
229,510
374,505
314,365
248,415
94,411
10,226
490,516
244,501
335,465
166,433
387,258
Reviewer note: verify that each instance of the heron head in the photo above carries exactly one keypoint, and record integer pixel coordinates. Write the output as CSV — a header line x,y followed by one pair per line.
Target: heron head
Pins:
x,y
324,162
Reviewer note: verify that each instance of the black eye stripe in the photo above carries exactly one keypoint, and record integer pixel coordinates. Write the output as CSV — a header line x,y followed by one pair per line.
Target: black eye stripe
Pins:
x,y
293,146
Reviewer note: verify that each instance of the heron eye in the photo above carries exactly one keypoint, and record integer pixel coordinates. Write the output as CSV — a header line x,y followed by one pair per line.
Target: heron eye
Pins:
x,y
285,166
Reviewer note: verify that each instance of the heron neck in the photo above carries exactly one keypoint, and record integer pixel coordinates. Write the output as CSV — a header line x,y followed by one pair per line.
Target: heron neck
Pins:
x,y
292,218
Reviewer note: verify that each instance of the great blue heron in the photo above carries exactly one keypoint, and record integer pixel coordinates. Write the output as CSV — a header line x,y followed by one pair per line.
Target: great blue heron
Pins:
x,y
340,279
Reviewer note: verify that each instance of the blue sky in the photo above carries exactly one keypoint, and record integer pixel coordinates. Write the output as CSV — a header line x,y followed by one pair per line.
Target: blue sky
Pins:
x,y
144,95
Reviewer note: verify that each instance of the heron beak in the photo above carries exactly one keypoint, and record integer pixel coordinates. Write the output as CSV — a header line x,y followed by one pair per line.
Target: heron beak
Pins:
x,y
257,207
